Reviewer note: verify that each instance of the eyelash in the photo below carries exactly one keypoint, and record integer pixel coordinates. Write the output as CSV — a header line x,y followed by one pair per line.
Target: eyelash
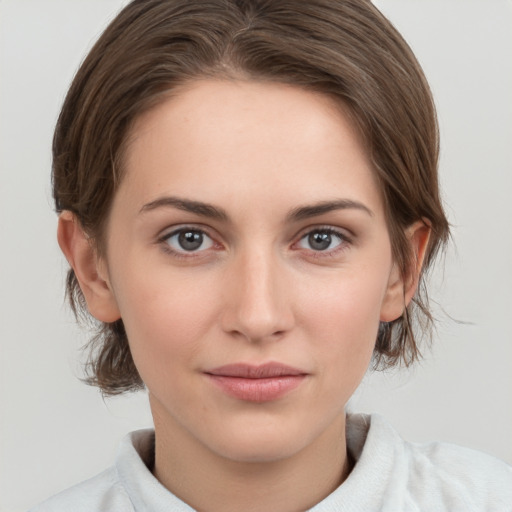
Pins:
x,y
183,254
344,242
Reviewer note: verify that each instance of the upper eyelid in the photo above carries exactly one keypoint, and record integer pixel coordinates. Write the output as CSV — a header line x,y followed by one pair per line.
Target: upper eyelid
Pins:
x,y
344,233
172,230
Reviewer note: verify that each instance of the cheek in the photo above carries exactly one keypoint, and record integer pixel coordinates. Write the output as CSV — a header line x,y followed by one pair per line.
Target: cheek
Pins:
x,y
166,317
342,319
347,304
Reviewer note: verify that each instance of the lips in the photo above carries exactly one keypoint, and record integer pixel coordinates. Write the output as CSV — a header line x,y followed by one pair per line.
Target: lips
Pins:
x,y
260,383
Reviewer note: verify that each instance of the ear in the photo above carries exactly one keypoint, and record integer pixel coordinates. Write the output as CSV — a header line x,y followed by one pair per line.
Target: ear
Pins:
x,y
400,292
90,270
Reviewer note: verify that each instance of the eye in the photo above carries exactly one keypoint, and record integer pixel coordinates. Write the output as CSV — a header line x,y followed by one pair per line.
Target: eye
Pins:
x,y
321,240
188,240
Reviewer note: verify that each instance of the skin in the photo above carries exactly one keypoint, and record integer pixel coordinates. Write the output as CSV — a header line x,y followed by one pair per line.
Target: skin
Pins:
x,y
257,290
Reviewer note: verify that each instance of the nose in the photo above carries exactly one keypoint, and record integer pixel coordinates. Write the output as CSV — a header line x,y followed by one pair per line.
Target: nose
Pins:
x,y
258,304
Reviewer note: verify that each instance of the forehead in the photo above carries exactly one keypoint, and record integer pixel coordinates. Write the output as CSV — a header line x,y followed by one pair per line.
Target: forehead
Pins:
x,y
221,140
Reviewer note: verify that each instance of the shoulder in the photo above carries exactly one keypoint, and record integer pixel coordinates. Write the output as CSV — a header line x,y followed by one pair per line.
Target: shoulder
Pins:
x,y
116,488
441,476
102,492
466,477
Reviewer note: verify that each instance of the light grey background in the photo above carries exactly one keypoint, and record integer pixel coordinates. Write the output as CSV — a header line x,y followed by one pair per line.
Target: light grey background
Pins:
x,y
55,431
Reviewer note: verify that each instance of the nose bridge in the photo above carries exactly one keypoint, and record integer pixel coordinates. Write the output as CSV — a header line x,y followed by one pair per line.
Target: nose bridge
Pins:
x,y
258,304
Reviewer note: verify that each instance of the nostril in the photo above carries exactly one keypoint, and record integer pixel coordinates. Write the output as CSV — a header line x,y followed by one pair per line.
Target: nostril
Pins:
x,y
256,335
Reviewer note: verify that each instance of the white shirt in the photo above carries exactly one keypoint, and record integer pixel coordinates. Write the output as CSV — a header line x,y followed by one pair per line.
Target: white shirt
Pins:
x,y
390,475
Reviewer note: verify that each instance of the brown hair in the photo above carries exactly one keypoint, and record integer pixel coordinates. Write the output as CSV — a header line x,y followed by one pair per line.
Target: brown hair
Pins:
x,y
342,48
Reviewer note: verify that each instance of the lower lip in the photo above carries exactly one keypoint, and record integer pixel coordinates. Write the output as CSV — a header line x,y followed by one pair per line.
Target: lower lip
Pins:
x,y
257,390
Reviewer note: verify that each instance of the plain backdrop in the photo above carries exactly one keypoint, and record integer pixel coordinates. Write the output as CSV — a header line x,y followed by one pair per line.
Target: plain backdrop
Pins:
x,y
55,431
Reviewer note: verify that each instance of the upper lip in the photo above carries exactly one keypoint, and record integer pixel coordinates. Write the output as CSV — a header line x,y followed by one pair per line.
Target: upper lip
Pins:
x,y
248,371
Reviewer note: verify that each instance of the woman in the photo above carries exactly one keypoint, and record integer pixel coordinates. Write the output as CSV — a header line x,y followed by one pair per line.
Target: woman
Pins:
x,y
248,201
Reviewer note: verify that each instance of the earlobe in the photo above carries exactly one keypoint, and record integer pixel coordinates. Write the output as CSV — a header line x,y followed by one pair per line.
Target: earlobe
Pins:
x,y
89,269
401,290
393,304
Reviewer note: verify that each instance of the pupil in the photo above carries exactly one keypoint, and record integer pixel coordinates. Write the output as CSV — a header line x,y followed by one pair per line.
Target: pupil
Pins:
x,y
320,241
190,240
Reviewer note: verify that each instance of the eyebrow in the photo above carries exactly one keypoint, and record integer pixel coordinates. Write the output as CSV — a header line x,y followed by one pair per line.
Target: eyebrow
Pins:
x,y
306,212
197,207
214,212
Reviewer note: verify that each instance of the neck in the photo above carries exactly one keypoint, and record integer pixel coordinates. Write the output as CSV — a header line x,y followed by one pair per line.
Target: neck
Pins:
x,y
210,482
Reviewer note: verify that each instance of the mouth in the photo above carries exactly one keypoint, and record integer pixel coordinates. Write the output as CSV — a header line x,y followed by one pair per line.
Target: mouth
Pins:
x,y
262,383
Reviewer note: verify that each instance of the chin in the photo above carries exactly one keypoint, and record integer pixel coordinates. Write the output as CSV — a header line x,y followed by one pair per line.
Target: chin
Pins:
x,y
270,442
264,450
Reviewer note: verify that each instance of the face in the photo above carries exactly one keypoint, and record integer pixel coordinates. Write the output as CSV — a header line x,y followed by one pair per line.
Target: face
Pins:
x,y
248,256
